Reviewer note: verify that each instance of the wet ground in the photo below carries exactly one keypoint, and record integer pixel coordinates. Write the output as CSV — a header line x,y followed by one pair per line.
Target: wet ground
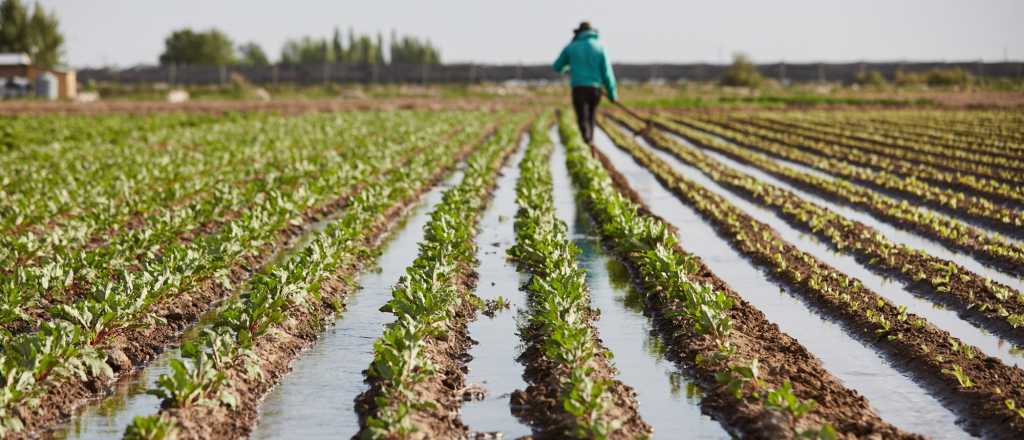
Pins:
x,y
893,233
897,399
494,364
663,392
891,289
316,400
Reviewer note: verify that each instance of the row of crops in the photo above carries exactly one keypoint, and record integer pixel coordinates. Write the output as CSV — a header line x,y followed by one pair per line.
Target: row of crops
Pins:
x,y
226,247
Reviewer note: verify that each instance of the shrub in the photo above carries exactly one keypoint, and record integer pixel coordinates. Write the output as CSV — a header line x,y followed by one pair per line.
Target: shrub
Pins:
x,y
871,77
742,73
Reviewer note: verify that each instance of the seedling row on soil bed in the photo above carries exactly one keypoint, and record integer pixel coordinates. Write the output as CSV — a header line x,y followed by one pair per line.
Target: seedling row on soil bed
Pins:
x,y
993,249
969,207
746,365
416,377
126,322
998,307
121,233
572,387
871,139
982,389
926,162
282,310
982,188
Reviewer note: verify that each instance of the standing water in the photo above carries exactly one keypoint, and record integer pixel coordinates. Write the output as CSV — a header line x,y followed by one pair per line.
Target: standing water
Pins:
x,y
901,236
897,399
317,399
639,355
493,363
886,287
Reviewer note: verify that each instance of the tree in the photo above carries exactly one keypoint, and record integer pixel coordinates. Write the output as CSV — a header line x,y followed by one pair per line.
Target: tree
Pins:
x,y
742,73
337,47
410,50
37,35
13,27
186,46
306,50
252,54
45,39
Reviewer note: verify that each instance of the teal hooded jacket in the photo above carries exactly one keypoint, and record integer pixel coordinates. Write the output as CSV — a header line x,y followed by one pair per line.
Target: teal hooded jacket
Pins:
x,y
587,63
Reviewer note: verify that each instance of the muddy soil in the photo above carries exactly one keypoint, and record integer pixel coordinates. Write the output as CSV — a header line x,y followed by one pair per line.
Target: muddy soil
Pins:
x,y
909,341
781,357
277,349
134,348
974,297
448,352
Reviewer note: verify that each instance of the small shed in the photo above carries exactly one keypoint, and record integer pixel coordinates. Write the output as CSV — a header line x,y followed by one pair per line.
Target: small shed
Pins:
x,y
18,66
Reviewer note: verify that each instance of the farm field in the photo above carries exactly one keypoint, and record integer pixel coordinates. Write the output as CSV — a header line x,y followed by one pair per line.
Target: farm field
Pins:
x,y
478,271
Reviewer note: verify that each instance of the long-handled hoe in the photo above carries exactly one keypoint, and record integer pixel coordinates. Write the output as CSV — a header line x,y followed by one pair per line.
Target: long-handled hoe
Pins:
x,y
648,123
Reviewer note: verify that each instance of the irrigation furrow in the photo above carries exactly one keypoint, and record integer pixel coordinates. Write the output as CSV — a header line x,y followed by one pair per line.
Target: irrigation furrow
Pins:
x,y
494,373
743,361
994,216
940,316
879,133
994,306
951,160
417,377
283,310
128,387
332,369
107,328
992,249
573,391
980,388
669,400
982,188
991,142
897,398
104,265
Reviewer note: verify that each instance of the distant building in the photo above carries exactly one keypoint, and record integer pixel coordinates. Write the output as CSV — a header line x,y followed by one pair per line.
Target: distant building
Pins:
x,y
18,75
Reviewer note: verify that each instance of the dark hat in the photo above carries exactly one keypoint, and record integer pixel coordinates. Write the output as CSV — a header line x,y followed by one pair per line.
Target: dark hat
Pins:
x,y
584,26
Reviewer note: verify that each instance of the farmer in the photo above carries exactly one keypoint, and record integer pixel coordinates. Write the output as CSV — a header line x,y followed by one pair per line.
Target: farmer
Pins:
x,y
589,70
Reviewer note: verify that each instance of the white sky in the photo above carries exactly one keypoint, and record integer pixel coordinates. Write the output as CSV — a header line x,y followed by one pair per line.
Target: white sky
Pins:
x,y
129,32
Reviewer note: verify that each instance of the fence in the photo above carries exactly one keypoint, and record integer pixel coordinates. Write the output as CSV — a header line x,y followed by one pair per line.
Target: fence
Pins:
x,y
474,73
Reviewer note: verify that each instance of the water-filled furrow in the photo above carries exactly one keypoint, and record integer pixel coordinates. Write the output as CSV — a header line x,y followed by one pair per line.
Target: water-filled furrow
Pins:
x,y
108,418
662,390
897,399
316,400
900,196
897,235
493,363
890,289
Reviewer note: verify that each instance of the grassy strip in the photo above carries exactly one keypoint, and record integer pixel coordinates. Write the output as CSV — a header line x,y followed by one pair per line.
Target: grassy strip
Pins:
x,y
572,389
980,388
1008,220
999,308
980,187
215,391
760,381
416,375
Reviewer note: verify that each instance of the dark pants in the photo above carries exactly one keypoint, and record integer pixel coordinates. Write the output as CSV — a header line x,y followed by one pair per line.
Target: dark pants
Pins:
x,y
584,101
